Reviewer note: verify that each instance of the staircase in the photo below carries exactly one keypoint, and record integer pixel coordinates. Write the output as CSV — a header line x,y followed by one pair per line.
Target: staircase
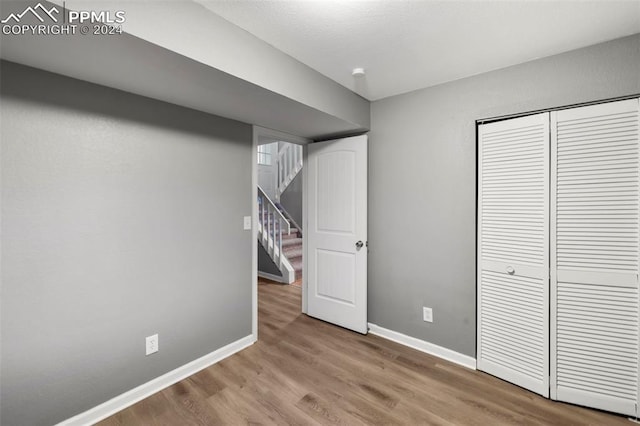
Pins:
x,y
281,240
292,247
289,164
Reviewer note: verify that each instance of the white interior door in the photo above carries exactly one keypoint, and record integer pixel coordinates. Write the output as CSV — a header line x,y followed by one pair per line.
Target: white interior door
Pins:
x,y
336,232
594,241
513,251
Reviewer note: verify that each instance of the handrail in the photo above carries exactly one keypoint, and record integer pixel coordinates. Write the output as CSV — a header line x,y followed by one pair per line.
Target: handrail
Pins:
x,y
270,228
262,194
292,221
289,164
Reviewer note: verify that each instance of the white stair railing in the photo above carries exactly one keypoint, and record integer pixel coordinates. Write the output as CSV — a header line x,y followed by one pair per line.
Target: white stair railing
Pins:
x,y
271,226
289,164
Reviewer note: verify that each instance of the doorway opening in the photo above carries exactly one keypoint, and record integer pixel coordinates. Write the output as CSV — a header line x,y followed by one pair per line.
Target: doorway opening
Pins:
x,y
278,177
280,193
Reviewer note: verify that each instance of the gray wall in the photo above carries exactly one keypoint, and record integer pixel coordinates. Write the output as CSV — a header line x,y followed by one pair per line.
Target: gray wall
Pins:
x,y
422,181
121,218
291,199
265,264
180,52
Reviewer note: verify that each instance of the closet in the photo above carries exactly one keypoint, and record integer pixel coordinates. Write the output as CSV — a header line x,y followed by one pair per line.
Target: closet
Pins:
x,y
558,253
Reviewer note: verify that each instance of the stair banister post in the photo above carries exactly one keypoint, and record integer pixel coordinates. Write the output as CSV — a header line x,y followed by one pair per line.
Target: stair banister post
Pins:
x,y
272,222
290,152
283,158
286,162
284,165
269,240
260,213
281,168
265,235
275,236
279,243
279,176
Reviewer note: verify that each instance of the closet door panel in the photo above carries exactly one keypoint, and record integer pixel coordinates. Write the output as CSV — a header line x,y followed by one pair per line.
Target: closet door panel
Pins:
x,y
595,251
513,251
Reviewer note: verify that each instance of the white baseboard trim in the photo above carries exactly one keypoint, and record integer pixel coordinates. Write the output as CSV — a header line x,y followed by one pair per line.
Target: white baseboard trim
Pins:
x,y
145,390
423,346
272,277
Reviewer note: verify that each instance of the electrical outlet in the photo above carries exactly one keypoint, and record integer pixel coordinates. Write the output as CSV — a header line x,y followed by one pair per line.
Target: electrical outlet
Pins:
x,y
247,223
152,344
427,314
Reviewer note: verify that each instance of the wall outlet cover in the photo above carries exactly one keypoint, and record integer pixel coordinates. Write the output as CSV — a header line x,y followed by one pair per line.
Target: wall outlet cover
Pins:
x,y
247,223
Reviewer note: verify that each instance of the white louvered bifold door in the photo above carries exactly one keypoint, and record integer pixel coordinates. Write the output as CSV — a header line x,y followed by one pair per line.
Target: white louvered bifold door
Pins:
x,y
513,251
594,242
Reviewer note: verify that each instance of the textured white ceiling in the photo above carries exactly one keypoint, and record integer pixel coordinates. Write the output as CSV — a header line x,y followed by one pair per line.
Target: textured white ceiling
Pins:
x,y
407,45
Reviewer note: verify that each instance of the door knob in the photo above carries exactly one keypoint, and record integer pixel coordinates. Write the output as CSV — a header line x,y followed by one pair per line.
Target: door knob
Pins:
x,y
510,270
359,244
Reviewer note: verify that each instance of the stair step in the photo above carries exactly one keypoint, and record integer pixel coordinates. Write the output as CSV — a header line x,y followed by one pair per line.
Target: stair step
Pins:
x,y
294,257
292,251
288,242
297,265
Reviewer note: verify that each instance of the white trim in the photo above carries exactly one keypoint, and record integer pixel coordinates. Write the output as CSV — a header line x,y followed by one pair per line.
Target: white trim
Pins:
x,y
272,277
145,390
305,242
276,135
288,272
423,346
254,232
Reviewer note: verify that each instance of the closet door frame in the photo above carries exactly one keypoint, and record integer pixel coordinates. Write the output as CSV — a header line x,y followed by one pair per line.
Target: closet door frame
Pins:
x,y
552,238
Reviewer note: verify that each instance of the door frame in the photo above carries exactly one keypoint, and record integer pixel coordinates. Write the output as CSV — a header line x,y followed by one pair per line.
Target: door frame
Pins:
x,y
258,134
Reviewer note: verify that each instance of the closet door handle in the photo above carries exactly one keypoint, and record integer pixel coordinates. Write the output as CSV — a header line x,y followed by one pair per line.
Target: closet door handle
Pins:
x,y
510,270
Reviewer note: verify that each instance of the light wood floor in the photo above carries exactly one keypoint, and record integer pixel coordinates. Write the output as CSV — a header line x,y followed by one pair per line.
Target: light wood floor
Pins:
x,y
303,371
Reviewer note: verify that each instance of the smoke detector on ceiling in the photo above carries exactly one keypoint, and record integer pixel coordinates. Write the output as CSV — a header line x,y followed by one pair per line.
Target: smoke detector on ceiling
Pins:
x,y
358,72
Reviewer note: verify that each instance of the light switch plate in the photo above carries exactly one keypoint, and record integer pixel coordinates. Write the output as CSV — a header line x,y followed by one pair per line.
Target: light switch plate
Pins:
x,y
427,314
247,223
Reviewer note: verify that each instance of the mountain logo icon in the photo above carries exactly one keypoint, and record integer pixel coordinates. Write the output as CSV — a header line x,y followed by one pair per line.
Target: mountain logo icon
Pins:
x,y
34,11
